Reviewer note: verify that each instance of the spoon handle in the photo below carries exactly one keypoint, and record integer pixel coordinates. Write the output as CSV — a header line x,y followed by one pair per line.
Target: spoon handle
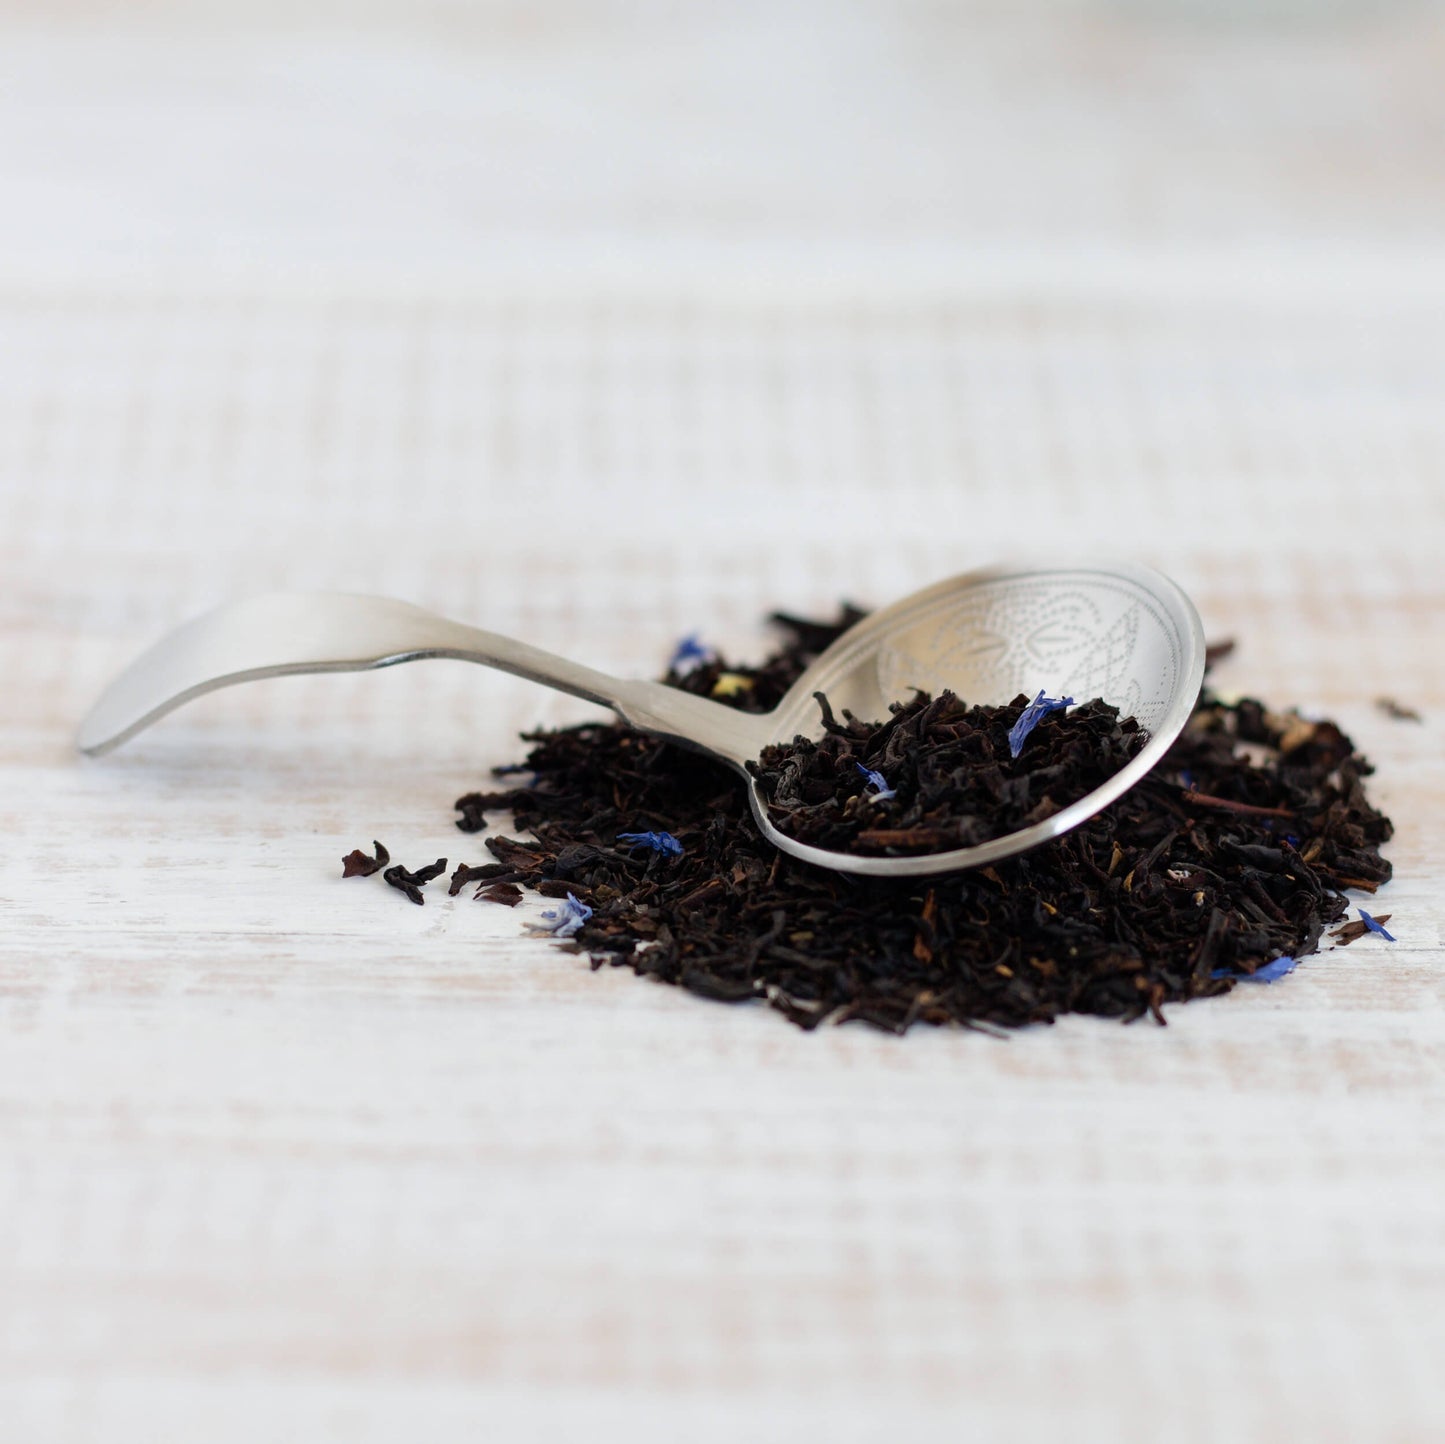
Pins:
x,y
290,632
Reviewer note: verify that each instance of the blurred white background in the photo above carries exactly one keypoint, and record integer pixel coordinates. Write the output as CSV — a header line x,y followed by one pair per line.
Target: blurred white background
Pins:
x,y
1051,275
873,137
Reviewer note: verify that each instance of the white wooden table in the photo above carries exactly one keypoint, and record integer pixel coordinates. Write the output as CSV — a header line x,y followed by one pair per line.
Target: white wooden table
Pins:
x,y
599,334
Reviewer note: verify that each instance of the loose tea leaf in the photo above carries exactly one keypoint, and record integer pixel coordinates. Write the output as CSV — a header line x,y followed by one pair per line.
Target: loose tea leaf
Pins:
x,y
1216,652
357,864
1353,931
473,809
1228,859
465,873
506,893
1377,925
411,883
1392,708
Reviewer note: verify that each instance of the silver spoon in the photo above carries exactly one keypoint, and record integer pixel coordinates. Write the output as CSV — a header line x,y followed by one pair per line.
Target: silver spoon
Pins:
x,y
1122,632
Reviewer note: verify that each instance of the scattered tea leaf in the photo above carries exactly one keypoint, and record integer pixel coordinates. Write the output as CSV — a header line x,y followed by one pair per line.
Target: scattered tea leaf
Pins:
x,y
1377,925
357,864
1216,652
1353,931
465,873
1400,713
411,883
506,893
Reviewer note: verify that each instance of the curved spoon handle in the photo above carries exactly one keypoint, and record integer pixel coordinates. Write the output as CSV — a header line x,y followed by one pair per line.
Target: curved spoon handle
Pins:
x,y
286,632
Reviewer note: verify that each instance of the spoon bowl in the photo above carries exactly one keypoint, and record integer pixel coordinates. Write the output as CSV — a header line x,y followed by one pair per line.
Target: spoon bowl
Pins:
x,y
1123,633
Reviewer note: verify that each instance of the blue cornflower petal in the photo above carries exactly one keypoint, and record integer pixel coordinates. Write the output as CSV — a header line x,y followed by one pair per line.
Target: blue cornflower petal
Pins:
x,y
1030,718
1375,927
690,654
882,792
1270,973
1273,972
663,842
562,922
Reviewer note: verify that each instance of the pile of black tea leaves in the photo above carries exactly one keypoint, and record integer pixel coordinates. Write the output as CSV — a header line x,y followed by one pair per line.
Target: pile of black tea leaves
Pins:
x,y
1226,861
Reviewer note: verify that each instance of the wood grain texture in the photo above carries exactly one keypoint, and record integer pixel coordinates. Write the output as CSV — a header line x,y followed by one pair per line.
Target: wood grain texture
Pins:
x,y
285,1156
